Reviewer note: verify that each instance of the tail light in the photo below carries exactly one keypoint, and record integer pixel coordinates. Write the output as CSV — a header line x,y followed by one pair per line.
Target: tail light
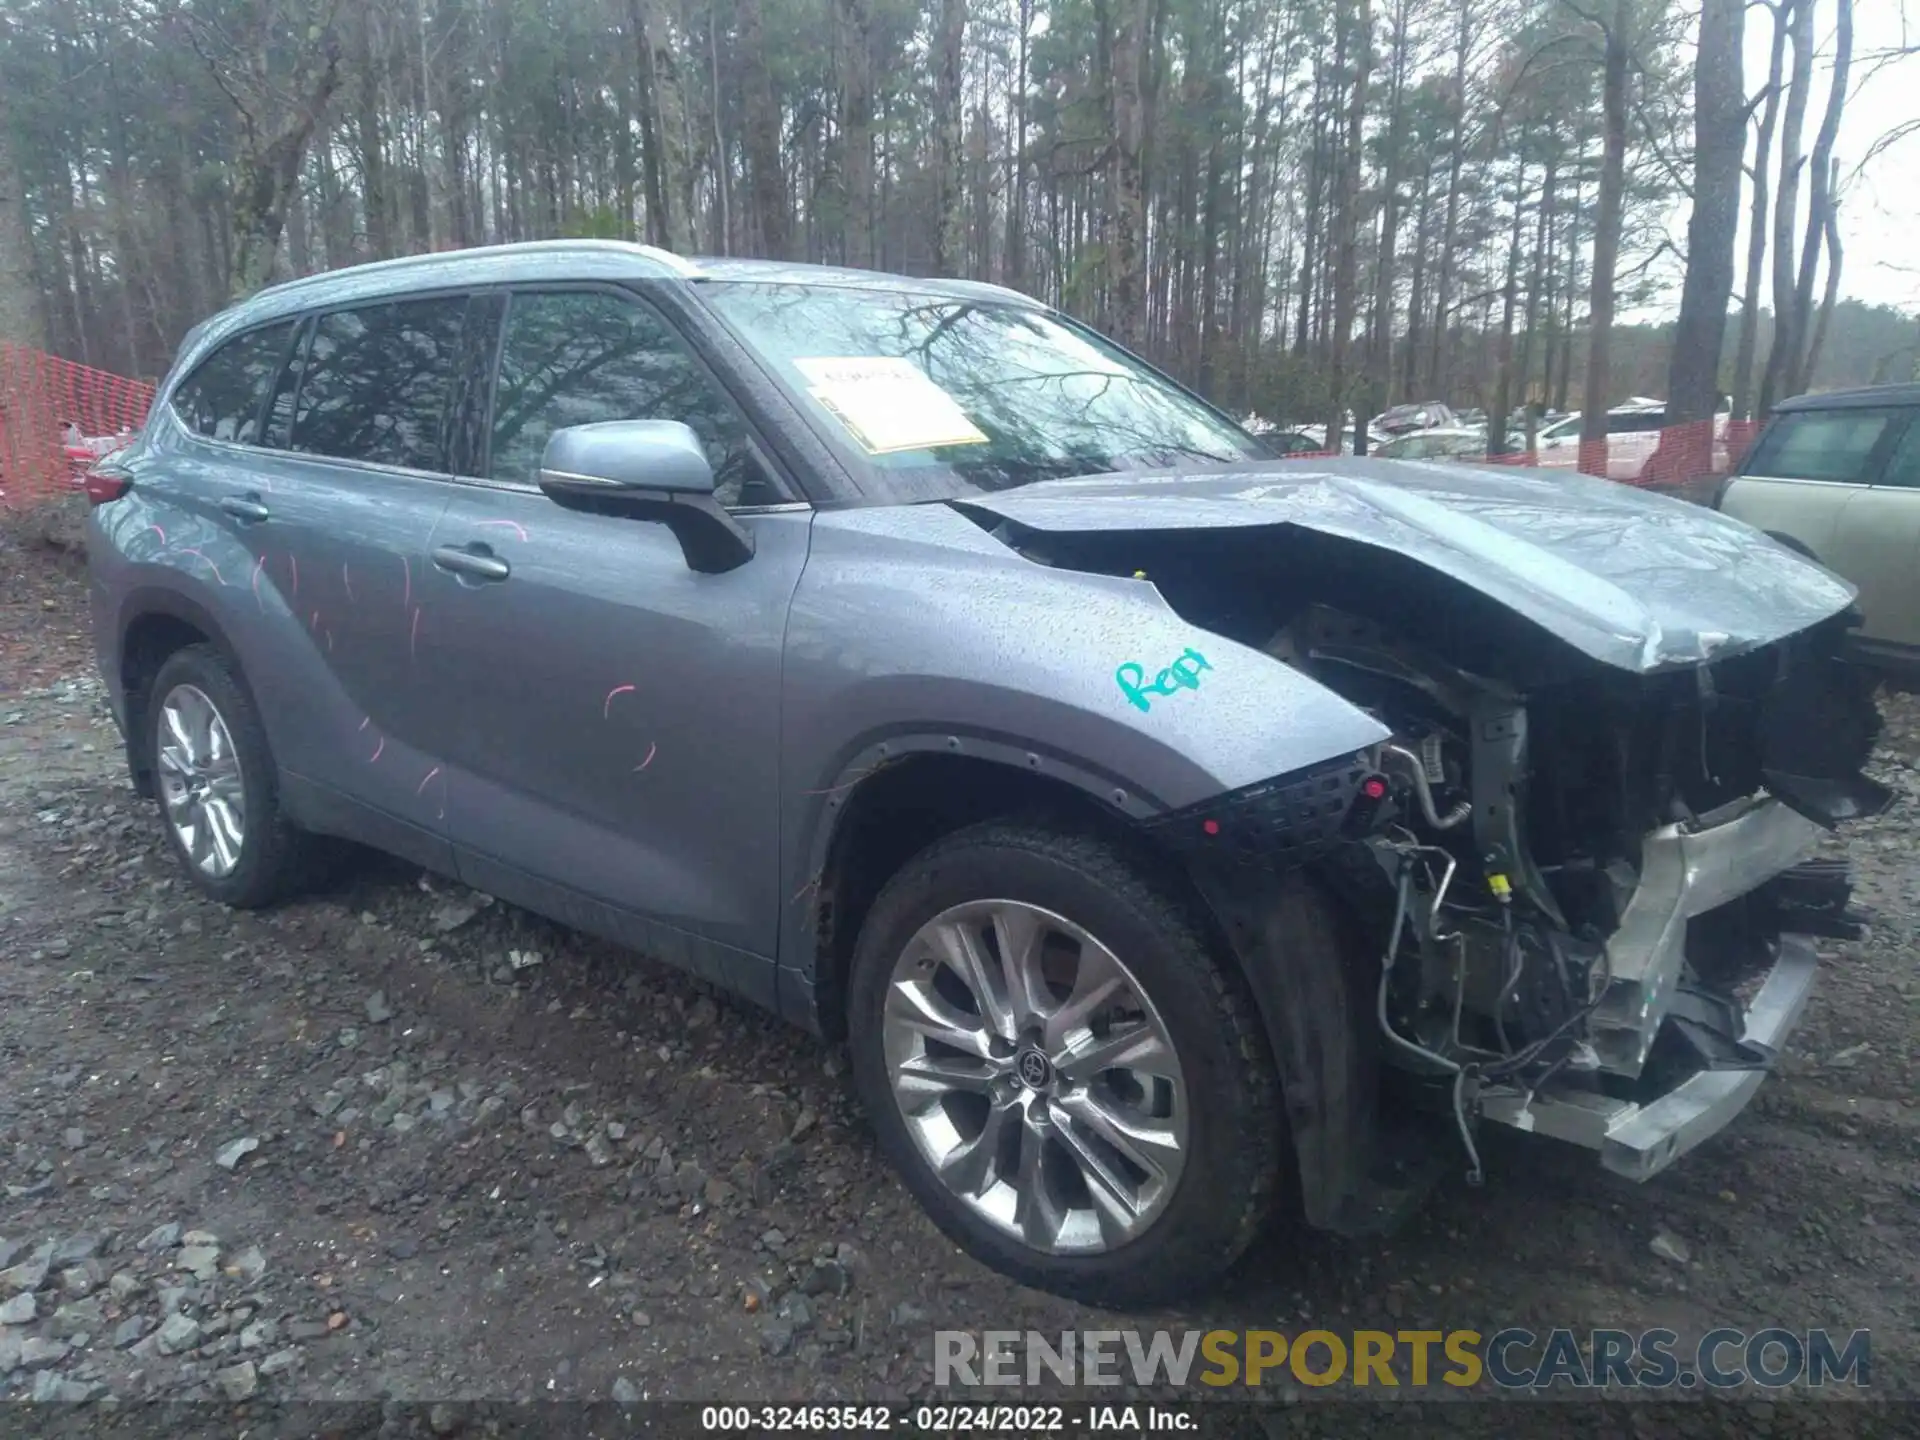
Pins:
x,y
105,482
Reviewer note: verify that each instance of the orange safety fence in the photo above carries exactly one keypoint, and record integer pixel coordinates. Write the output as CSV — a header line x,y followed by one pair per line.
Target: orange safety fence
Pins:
x,y
57,419
1676,458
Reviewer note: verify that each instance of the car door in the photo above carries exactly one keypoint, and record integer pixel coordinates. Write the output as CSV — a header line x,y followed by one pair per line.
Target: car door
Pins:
x,y
1632,437
338,531
607,718
1877,544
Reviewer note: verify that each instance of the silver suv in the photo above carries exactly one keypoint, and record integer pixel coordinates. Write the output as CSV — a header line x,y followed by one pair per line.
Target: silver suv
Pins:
x,y
1168,830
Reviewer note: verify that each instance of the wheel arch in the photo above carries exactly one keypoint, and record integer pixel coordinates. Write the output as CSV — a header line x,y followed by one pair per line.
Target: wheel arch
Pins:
x,y
894,797
155,623
1289,939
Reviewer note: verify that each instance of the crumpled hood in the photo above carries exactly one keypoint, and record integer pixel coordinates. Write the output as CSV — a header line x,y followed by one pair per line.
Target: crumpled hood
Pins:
x,y
1633,579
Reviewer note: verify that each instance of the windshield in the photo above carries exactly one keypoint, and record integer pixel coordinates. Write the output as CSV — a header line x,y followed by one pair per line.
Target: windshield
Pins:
x,y
934,397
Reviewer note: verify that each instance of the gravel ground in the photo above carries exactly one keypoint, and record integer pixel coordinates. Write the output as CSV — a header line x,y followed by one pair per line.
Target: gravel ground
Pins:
x,y
398,1142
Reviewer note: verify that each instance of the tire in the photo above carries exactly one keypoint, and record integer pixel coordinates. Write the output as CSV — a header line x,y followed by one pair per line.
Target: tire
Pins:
x,y
273,858
1223,1108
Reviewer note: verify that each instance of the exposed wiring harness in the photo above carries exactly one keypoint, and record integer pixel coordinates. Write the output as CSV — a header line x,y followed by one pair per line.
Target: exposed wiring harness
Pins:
x,y
1597,991
1462,1074
1484,1065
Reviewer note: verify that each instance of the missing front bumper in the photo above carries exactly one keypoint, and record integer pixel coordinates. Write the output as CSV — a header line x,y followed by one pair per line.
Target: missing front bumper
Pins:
x,y
1640,1139
1686,871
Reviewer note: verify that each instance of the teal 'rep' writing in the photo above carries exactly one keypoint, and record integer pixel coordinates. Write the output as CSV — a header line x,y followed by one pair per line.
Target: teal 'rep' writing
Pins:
x,y
1183,674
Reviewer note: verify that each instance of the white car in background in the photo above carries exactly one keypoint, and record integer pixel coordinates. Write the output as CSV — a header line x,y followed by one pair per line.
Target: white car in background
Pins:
x,y
1633,435
1453,442
1318,435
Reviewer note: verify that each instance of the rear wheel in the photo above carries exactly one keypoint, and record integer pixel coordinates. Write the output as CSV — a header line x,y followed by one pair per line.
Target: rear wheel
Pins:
x,y
1067,1081
218,788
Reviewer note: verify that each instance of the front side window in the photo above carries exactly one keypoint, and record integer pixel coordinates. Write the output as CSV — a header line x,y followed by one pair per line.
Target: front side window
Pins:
x,y
1836,445
222,398
1636,422
932,396
375,383
581,357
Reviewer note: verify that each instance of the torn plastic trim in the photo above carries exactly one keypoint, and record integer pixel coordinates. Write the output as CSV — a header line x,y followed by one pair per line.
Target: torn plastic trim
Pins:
x,y
1246,852
1279,824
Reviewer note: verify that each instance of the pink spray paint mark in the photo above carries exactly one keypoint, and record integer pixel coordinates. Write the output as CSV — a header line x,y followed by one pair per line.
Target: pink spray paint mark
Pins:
x,y
845,784
406,589
377,749
606,710
158,531
517,528
652,746
189,550
421,787
346,581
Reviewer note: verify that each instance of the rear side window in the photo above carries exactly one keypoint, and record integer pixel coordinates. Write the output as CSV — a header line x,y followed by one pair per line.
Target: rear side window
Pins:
x,y
1836,445
222,398
1902,470
376,381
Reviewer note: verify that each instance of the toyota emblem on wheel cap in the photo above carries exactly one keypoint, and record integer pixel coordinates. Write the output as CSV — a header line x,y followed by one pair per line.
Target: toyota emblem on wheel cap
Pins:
x,y
1035,1072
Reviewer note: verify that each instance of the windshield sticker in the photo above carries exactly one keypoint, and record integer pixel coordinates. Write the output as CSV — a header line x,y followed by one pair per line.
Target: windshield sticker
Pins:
x,y
1183,674
887,404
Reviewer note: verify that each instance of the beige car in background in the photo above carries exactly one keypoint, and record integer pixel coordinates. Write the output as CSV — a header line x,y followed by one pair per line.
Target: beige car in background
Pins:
x,y
1837,477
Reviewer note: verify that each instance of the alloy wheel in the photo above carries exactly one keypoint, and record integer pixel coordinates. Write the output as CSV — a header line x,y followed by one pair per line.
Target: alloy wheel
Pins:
x,y
1035,1076
200,781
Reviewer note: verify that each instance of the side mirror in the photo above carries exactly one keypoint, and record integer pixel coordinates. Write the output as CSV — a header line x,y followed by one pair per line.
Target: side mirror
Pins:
x,y
651,470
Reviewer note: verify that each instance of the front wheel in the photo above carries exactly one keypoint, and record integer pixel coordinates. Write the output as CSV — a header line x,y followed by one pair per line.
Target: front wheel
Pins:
x,y
1065,1078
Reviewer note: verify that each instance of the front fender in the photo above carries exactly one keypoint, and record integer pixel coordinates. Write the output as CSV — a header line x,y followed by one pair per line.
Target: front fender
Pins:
x,y
913,629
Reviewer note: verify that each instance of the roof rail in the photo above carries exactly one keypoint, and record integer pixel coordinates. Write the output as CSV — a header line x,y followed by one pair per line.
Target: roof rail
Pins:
x,y
666,263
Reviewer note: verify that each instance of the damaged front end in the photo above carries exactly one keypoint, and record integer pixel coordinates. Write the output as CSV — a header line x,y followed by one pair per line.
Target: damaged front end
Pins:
x,y
1591,904
1578,877
1600,891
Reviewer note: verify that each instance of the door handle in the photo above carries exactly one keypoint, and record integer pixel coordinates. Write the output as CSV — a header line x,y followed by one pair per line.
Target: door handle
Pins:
x,y
475,560
245,507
